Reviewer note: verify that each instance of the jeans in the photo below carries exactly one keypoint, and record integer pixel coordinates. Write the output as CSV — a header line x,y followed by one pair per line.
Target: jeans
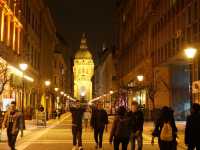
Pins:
x,y
137,138
11,139
77,135
164,145
123,141
98,136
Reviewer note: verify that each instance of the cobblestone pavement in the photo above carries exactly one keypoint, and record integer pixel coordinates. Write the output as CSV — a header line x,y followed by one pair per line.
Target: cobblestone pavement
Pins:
x,y
57,136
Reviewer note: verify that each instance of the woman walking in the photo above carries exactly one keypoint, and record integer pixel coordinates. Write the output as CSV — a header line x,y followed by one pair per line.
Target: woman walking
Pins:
x,y
165,130
120,133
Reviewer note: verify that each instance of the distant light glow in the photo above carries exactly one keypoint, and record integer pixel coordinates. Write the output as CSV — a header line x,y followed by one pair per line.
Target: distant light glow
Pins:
x,y
111,92
47,83
82,94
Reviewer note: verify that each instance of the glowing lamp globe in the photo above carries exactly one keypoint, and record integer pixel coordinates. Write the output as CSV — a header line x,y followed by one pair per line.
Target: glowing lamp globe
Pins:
x,y
140,78
23,66
47,83
190,52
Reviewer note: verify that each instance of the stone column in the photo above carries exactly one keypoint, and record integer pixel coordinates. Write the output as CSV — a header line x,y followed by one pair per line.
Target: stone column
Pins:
x,y
8,29
18,39
14,37
2,25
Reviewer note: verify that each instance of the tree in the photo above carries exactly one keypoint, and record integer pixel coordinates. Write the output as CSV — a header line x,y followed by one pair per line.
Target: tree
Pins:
x,y
4,77
153,88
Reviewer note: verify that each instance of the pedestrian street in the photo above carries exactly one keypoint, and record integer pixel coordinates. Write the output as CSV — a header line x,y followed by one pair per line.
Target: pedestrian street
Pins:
x,y
58,136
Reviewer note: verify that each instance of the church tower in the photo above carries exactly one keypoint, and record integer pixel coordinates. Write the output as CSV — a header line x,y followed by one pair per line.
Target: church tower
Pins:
x,y
83,70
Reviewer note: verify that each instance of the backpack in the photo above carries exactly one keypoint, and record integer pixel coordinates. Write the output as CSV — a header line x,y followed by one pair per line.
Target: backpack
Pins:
x,y
123,128
166,132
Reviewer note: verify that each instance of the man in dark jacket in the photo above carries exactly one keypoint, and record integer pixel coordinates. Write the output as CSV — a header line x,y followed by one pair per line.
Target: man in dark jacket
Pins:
x,y
192,130
137,122
77,116
13,121
99,120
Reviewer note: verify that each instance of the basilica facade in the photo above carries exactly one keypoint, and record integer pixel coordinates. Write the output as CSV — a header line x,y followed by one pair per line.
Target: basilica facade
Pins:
x,y
83,71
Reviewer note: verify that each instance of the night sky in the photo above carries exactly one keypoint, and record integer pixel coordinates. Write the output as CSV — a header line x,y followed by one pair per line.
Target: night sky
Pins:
x,y
94,17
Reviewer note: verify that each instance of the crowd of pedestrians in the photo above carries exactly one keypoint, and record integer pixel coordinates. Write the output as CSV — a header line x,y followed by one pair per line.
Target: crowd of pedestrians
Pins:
x,y
127,127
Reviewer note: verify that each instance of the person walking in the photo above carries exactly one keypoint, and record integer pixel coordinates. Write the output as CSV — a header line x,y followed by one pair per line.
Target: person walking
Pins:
x,y
99,121
192,130
13,121
86,118
137,122
77,116
120,132
166,130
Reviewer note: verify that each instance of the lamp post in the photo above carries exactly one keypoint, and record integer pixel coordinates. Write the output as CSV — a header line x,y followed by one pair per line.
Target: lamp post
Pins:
x,y
23,67
140,78
56,92
62,100
111,92
47,84
190,53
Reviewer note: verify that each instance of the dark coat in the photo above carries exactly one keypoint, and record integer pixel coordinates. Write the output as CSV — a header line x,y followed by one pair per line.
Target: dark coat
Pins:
x,y
159,125
99,118
192,130
120,131
137,121
77,116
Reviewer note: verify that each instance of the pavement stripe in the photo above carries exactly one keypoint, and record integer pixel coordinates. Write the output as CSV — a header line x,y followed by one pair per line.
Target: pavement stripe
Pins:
x,y
69,142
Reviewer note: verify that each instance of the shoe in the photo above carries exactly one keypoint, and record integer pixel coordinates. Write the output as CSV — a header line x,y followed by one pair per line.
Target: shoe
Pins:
x,y
80,148
74,148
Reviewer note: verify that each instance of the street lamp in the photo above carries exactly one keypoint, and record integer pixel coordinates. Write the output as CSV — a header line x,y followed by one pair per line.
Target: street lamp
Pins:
x,y
140,78
190,53
23,67
56,89
47,83
62,93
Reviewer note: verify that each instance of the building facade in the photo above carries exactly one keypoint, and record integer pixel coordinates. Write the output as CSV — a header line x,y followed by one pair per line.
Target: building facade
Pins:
x,y
152,37
83,71
28,35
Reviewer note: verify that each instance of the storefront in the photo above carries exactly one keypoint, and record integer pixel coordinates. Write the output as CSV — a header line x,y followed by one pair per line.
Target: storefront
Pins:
x,y
13,89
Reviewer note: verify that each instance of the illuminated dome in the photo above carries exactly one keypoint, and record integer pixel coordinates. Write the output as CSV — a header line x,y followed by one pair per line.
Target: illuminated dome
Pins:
x,y
83,70
83,53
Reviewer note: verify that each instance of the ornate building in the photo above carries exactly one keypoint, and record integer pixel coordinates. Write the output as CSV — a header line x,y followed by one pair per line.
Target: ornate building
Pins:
x,y
83,71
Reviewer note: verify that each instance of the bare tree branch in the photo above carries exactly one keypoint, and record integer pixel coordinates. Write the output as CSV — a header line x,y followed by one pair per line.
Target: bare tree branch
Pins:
x,y
4,78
